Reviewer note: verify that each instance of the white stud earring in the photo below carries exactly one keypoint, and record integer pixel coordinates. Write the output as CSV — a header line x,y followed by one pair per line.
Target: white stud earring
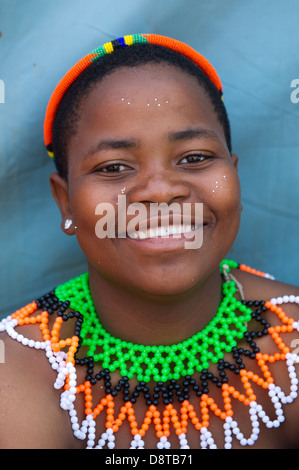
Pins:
x,y
68,223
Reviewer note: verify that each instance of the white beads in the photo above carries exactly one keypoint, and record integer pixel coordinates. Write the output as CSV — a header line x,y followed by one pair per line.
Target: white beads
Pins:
x,y
68,396
231,427
285,299
91,431
183,441
87,429
164,443
108,437
137,442
206,439
9,325
5,321
269,276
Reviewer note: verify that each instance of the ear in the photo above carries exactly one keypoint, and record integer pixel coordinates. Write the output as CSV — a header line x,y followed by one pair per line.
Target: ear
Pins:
x,y
235,160
60,192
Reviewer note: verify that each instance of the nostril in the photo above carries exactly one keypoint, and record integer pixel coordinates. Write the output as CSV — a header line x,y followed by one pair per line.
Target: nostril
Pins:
x,y
160,190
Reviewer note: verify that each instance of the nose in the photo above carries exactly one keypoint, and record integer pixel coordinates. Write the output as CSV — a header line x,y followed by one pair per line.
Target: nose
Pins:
x,y
160,186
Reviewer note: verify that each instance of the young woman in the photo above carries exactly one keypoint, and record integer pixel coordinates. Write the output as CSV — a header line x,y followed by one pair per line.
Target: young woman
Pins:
x,y
157,345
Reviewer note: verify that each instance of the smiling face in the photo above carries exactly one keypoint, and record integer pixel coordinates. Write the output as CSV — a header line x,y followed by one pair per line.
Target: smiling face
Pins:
x,y
150,134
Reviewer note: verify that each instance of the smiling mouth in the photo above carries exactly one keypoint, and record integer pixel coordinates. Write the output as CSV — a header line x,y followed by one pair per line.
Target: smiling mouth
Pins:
x,y
173,231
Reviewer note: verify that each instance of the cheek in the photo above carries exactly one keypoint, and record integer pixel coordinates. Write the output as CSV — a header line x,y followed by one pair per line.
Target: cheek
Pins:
x,y
86,202
83,208
88,207
224,192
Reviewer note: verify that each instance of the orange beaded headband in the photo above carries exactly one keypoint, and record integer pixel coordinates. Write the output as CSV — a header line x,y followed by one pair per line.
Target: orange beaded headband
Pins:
x,y
108,48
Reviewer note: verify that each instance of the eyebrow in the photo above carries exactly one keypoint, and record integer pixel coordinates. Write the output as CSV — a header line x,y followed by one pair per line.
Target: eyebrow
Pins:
x,y
111,144
127,143
192,133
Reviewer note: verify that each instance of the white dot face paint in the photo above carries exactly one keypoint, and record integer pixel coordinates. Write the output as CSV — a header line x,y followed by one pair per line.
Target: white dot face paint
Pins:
x,y
152,102
218,185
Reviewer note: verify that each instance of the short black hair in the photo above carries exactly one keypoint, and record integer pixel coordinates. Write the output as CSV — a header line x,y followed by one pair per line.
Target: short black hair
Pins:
x,y
68,113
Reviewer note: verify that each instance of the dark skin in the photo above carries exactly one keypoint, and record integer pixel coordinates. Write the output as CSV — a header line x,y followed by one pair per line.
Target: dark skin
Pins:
x,y
157,167
175,152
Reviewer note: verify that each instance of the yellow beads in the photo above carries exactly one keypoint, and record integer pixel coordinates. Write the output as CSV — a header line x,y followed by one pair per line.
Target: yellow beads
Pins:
x,y
108,47
128,40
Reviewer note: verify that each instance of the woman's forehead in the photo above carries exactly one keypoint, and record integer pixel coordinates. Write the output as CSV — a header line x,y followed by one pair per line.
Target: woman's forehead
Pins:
x,y
149,72
156,85
145,104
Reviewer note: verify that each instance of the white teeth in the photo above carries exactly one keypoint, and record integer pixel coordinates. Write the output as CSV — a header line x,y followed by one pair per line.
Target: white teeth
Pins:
x,y
162,231
141,235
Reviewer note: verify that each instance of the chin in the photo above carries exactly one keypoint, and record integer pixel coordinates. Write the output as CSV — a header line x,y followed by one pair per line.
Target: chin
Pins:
x,y
173,283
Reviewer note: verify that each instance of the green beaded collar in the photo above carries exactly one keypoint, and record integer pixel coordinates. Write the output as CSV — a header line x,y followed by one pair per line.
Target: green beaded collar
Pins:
x,y
161,363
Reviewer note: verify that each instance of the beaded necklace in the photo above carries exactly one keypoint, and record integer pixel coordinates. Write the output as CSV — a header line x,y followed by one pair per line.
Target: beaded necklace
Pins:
x,y
178,371
161,363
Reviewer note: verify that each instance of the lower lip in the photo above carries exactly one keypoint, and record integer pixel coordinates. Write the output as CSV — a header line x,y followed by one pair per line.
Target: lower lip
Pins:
x,y
165,243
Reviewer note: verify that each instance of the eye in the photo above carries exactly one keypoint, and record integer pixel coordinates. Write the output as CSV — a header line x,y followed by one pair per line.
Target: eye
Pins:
x,y
195,158
113,168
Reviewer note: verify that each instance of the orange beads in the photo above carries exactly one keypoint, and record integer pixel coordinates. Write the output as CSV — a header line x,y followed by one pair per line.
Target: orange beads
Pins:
x,y
170,420
244,267
24,312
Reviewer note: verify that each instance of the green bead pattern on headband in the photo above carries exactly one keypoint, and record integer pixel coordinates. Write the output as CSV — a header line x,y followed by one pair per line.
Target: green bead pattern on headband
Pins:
x,y
109,47
162,363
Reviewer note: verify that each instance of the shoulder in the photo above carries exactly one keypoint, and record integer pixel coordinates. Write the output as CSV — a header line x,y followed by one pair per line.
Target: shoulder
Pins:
x,y
276,344
28,400
256,287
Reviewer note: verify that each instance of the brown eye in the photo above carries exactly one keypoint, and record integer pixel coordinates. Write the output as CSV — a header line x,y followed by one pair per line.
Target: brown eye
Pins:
x,y
113,168
194,158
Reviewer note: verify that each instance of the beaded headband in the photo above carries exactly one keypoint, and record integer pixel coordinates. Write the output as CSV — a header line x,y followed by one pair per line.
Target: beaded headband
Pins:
x,y
108,48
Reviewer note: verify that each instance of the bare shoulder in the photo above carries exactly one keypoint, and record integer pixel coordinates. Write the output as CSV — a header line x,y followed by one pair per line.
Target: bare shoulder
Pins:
x,y
262,288
284,374
28,400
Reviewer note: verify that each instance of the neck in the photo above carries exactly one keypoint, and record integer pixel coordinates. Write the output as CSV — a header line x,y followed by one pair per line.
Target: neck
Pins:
x,y
150,319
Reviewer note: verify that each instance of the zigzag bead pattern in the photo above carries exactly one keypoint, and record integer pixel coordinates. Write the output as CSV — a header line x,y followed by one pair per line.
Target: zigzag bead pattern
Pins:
x,y
62,357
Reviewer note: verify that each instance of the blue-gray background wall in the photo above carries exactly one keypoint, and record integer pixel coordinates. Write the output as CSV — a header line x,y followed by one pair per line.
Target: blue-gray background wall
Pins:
x,y
254,45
